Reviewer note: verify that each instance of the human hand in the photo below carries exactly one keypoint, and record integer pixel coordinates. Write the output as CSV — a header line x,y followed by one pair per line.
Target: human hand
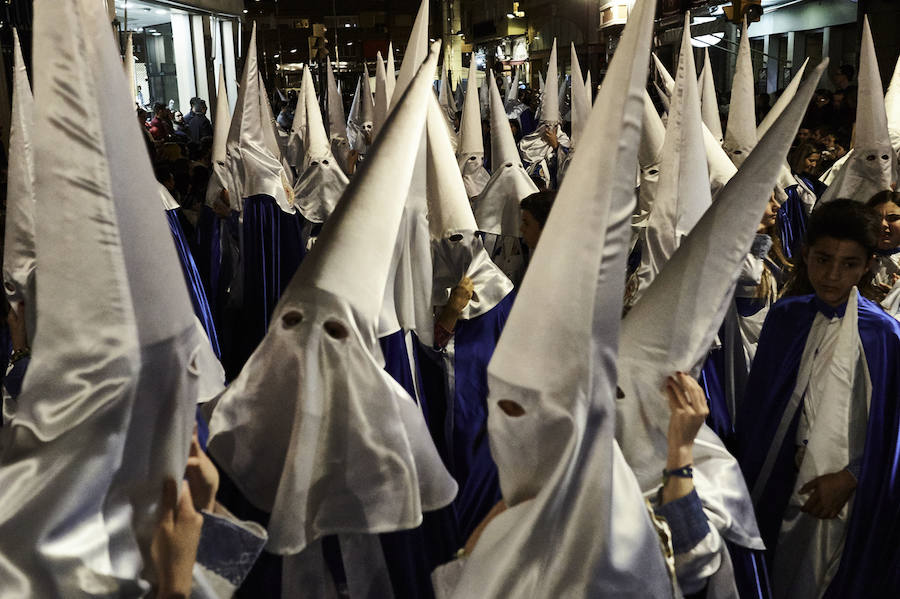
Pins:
x,y
687,412
18,333
549,136
352,160
202,477
461,295
175,541
828,494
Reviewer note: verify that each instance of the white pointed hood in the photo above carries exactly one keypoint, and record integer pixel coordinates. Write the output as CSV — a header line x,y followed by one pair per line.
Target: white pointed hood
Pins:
x,y
337,127
871,166
708,101
129,67
892,108
470,151
328,442
672,326
445,94
721,166
550,99
415,54
783,100
668,83
653,136
581,106
512,94
294,151
353,117
18,245
740,133
389,70
321,181
589,90
682,193
367,101
221,172
97,423
497,208
382,100
484,94
558,461
255,169
455,248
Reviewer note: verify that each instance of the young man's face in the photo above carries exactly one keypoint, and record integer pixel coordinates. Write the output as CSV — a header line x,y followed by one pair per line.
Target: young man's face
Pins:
x,y
530,229
834,266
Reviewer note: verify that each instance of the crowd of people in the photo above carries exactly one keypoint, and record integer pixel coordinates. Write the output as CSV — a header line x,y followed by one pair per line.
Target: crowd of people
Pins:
x,y
482,340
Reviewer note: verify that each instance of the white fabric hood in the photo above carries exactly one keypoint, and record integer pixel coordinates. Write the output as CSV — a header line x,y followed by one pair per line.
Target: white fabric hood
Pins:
x,y
326,440
470,152
709,102
576,523
740,132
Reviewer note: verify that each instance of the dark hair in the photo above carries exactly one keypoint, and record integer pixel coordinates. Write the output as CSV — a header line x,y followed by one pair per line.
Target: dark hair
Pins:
x,y
883,197
800,154
842,219
847,71
539,205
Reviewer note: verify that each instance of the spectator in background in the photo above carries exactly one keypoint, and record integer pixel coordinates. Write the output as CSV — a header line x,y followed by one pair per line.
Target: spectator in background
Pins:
x,y
199,126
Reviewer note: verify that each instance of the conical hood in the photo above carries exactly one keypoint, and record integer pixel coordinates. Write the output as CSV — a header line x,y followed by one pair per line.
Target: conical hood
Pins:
x,y
682,194
268,125
448,204
382,101
444,93
674,323
497,208
367,102
353,117
415,55
108,404
221,173
565,384
541,83
256,170
871,166
337,127
129,66
740,133
321,181
294,152
452,105
471,142
708,102
503,144
589,90
580,104
668,83
391,75
550,99
484,94
363,227
892,108
512,94
653,135
18,244
783,100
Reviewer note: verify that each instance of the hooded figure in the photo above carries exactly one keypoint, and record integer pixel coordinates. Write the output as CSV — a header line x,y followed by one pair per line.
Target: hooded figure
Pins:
x,y
537,151
581,108
353,117
391,75
351,455
708,101
321,181
276,140
682,193
294,151
470,152
337,126
660,337
445,97
108,403
512,95
382,100
18,243
220,177
653,135
740,133
870,166
457,252
415,54
365,121
270,228
721,166
575,524
497,208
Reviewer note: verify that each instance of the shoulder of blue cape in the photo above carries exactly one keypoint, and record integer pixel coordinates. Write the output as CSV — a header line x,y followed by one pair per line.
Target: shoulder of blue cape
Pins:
x,y
870,562
875,522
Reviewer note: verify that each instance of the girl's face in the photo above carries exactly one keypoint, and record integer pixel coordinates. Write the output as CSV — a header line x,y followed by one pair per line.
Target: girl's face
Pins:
x,y
771,214
810,163
890,226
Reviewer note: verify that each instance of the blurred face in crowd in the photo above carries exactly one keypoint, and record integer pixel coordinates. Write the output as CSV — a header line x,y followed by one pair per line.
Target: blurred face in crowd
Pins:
x,y
834,266
811,162
770,215
530,229
890,225
802,135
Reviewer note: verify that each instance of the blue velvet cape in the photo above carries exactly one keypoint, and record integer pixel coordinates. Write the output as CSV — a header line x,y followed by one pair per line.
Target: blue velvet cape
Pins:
x,y
870,564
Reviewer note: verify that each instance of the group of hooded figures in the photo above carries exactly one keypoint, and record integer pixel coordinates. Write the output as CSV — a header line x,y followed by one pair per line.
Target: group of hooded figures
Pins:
x,y
399,385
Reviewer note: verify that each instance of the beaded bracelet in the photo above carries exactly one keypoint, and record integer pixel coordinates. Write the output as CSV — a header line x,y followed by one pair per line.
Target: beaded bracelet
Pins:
x,y
19,354
683,472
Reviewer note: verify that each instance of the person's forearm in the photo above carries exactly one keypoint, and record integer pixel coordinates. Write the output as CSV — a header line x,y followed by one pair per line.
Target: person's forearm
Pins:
x,y
677,487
